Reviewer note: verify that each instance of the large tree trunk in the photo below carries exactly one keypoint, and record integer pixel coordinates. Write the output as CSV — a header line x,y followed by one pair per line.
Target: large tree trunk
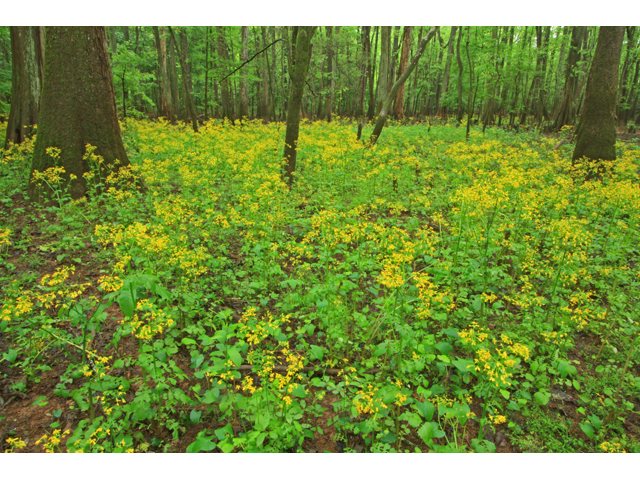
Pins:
x,y
596,133
398,109
26,82
301,56
384,112
244,86
164,90
78,107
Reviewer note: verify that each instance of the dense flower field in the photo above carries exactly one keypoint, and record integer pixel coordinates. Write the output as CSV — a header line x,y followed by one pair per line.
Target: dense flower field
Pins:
x,y
427,294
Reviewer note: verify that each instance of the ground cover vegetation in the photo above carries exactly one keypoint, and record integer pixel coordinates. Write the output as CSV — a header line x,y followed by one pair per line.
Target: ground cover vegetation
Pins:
x,y
426,294
176,282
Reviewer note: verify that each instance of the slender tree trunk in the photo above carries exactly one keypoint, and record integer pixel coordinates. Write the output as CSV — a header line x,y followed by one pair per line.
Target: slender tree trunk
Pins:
x,y
244,88
460,72
223,55
173,78
265,79
164,103
625,87
385,59
331,70
366,65
206,76
447,69
26,82
301,56
596,133
182,56
78,107
384,112
404,60
566,113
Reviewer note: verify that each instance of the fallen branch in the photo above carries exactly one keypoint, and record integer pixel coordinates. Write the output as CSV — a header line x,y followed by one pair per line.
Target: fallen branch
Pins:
x,y
244,63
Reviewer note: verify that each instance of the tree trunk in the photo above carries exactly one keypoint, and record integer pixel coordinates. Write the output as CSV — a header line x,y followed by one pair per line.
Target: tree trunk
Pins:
x,y
366,63
372,73
404,60
447,70
331,70
164,93
384,112
460,72
244,87
566,113
182,56
301,56
385,59
26,82
596,133
173,79
78,107
265,79
223,55
206,75
626,87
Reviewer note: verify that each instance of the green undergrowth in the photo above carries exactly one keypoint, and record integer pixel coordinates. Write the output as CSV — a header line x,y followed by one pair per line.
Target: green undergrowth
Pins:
x,y
427,294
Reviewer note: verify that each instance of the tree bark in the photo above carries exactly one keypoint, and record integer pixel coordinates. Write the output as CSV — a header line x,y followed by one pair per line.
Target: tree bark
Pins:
x,y
566,113
366,62
26,82
244,87
78,107
384,112
398,109
596,133
331,70
223,55
172,71
182,56
447,70
164,91
301,56
385,60
460,72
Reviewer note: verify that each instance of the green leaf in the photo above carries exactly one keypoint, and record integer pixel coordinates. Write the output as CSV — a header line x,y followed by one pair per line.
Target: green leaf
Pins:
x,y
40,402
542,397
235,356
505,394
126,304
588,430
195,415
202,444
317,353
188,341
464,364
426,432
426,409
10,356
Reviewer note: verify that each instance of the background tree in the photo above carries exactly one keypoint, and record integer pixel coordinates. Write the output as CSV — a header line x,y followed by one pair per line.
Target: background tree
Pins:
x,y
596,132
27,54
300,59
77,107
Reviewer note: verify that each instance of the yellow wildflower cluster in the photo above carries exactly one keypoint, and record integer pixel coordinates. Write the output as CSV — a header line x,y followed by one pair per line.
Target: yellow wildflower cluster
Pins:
x,y
4,237
430,295
494,357
51,442
367,401
149,320
498,419
612,447
15,444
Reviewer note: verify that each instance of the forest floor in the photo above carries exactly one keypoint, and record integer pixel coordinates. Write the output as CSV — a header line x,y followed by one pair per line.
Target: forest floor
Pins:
x,y
429,294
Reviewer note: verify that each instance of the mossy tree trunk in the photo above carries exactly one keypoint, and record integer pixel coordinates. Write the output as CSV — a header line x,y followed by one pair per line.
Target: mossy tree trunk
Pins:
x,y
78,107
26,82
301,56
596,132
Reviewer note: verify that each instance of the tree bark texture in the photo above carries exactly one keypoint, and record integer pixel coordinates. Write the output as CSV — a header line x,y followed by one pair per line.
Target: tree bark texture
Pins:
x,y
164,93
182,56
223,55
566,113
78,107
244,87
385,60
384,112
398,108
331,70
301,56
26,82
596,133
